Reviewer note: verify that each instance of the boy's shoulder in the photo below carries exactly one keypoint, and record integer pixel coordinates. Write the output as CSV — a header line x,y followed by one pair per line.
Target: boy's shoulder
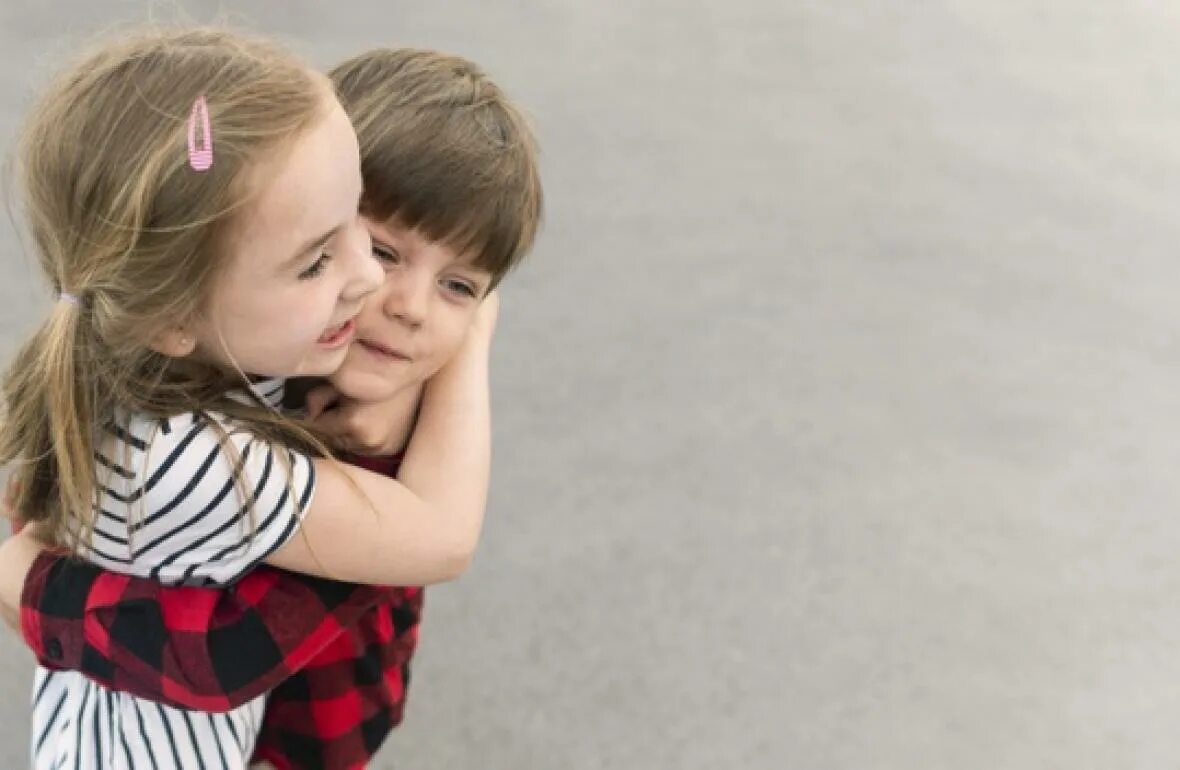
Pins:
x,y
386,465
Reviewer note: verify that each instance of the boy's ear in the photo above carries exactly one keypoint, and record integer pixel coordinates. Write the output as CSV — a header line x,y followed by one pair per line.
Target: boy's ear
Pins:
x,y
174,342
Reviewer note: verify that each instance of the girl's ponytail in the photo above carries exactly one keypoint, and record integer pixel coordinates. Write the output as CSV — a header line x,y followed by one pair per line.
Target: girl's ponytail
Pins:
x,y
49,413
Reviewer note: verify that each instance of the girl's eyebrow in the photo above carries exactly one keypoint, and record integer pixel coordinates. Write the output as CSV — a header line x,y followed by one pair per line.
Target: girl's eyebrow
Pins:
x,y
314,243
317,242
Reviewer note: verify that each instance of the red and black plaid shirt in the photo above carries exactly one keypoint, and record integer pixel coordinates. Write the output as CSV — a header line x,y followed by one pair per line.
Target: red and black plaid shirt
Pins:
x,y
334,656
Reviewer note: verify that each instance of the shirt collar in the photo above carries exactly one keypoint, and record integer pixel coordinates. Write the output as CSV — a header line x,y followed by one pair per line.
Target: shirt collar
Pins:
x,y
269,390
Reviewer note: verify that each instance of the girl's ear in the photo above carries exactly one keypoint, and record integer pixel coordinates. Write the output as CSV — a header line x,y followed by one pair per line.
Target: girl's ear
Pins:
x,y
174,342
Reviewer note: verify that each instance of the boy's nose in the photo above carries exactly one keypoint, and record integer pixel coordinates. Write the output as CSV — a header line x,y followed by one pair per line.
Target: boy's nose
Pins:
x,y
409,297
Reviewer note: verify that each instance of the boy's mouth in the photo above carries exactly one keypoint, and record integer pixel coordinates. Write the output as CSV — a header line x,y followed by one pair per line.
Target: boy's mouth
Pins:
x,y
338,335
380,350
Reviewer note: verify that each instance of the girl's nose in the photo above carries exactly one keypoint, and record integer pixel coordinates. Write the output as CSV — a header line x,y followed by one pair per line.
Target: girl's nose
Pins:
x,y
365,273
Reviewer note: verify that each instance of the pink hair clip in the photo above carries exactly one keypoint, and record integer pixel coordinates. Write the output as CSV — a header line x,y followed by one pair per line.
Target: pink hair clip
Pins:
x,y
200,155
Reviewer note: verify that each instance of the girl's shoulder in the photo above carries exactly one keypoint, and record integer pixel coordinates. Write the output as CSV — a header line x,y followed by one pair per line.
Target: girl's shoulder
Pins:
x,y
195,498
135,427
143,433
145,441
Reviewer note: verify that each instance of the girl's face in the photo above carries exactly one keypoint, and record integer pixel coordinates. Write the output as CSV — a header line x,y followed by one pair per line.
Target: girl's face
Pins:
x,y
416,320
300,263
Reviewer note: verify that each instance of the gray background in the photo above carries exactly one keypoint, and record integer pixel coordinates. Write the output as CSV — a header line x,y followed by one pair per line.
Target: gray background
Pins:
x,y
836,411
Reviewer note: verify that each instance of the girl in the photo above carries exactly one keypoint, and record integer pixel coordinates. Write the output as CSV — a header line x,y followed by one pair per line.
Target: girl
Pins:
x,y
192,197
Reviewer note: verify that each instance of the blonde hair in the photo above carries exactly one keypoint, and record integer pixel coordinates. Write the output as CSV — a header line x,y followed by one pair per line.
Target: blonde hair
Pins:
x,y
121,221
444,151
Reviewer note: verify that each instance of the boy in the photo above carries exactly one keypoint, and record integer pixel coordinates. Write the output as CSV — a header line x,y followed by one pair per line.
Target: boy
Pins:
x,y
452,200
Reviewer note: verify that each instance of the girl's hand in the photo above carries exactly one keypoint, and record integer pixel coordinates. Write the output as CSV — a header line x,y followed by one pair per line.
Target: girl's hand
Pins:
x,y
7,504
37,530
361,428
17,555
485,318
320,399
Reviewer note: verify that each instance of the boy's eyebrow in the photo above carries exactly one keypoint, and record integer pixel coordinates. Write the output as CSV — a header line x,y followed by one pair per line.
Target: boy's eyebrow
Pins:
x,y
467,262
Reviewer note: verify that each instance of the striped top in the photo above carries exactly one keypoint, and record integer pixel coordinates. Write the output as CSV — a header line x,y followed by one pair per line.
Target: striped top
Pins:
x,y
194,499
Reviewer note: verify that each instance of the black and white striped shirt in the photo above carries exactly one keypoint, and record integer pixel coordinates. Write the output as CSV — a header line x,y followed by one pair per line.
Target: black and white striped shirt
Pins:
x,y
191,500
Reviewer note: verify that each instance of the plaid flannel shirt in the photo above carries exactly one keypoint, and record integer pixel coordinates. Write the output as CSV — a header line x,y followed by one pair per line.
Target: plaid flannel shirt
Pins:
x,y
334,656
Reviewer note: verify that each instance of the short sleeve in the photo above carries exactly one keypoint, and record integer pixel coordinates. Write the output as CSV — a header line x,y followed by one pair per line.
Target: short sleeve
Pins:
x,y
207,501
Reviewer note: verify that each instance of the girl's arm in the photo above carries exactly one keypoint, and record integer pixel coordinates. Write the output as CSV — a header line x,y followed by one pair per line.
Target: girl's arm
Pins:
x,y
364,528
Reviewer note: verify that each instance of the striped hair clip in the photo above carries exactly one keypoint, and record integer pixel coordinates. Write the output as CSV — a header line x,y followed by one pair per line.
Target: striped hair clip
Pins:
x,y
200,147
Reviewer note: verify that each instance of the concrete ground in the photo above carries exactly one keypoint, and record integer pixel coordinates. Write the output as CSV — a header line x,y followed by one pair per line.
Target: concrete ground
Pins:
x,y
836,413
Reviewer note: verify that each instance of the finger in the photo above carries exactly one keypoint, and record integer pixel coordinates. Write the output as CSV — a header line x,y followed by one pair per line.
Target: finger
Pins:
x,y
488,313
339,425
490,307
321,398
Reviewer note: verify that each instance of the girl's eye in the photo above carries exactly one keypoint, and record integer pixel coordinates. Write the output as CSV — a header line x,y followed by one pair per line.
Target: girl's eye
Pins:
x,y
316,268
460,287
386,255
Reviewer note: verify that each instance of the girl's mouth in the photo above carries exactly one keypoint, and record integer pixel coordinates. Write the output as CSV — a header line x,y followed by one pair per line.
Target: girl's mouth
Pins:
x,y
338,335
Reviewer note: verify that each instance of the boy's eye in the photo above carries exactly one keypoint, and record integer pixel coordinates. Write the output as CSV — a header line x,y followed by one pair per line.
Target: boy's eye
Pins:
x,y
386,255
316,267
460,287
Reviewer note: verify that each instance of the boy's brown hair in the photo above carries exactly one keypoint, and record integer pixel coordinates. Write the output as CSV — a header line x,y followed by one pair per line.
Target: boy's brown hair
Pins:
x,y
444,152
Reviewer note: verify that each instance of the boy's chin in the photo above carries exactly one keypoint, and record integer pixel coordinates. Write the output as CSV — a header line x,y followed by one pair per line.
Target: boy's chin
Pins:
x,y
362,386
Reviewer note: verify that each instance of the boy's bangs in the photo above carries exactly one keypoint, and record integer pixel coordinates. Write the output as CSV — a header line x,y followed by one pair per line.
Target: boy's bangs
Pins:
x,y
494,226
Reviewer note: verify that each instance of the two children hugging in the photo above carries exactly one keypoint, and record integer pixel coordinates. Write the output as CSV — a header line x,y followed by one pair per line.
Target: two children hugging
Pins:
x,y
225,593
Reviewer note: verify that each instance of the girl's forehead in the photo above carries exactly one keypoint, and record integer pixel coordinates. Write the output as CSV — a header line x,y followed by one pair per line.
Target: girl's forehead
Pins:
x,y
306,191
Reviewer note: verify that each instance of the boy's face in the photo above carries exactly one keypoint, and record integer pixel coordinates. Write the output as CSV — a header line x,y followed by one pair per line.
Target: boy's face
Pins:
x,y
416,321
